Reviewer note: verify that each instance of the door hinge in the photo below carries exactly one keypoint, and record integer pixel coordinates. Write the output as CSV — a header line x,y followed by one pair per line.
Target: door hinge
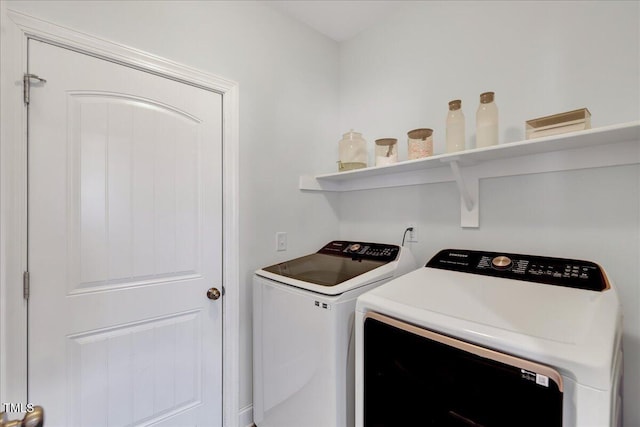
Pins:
x,y
26,80
25,285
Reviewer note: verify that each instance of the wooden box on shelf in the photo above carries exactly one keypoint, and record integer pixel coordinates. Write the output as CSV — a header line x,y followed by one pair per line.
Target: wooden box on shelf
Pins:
x,y
570,121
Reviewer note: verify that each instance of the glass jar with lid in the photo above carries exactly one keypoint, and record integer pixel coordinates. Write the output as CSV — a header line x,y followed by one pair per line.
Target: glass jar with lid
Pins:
x,y
420,143
352,152
386,151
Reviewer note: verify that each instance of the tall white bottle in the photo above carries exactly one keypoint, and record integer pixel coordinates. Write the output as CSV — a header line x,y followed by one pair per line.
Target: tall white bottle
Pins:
x,y
487,121
455,134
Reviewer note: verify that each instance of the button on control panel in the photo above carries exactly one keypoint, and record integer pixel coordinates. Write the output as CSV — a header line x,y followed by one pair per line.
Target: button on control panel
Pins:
x,y
553,271
501,262
362,250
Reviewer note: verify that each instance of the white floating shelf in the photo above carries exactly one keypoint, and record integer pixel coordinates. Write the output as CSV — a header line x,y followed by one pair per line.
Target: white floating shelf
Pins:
x,y
605,146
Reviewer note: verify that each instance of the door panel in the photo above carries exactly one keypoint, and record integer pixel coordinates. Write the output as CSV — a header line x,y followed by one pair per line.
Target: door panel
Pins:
x,y
131,374
125,214
139,202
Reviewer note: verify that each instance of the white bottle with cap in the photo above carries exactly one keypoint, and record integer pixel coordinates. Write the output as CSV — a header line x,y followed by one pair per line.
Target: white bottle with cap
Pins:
x,y
487,121
455,134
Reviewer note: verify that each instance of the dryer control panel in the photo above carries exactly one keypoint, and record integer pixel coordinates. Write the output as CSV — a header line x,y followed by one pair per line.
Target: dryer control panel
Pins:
x,y
361,250
569,273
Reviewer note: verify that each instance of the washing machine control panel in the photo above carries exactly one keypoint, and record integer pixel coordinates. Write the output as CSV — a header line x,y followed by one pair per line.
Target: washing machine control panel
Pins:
x,y
362,250
569,273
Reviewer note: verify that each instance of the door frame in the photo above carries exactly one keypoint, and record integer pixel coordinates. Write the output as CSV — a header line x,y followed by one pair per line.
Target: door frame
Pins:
x,y
16,29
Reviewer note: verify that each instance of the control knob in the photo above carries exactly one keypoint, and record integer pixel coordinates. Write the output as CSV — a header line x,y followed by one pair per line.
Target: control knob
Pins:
x,y
501,262
355,247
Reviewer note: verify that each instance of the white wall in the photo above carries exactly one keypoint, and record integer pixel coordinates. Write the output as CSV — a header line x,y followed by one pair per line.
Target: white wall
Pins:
x,y
287,76
540,58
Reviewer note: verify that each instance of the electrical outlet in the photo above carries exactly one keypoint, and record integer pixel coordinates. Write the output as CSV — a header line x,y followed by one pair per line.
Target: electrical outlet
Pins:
x,y
281,241
412,236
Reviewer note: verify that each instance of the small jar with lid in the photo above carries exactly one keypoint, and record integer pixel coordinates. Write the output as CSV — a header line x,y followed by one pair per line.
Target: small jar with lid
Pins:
x,y
455,127
487,121
352,152
420,143
386,151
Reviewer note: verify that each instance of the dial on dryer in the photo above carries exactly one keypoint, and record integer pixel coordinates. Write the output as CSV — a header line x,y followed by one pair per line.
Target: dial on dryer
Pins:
x,y
501,262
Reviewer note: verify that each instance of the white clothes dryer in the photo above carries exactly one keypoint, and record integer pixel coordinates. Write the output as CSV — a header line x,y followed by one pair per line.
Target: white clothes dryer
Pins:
x,y
487,339
303,331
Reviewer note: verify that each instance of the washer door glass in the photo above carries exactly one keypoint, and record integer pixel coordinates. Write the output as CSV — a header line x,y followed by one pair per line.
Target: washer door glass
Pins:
x,y
322,269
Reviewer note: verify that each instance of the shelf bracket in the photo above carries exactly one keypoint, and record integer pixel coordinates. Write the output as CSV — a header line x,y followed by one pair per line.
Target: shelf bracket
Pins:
x,y
310,183
469,189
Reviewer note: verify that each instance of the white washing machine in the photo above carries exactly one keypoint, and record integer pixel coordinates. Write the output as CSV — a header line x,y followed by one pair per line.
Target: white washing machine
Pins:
x,y
303,331
487,339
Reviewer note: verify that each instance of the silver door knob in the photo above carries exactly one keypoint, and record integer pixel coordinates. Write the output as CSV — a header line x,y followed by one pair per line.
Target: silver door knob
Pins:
x,y
213,293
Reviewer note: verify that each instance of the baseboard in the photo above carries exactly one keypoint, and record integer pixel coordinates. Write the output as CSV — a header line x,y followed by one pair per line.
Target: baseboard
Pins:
x,y
245,418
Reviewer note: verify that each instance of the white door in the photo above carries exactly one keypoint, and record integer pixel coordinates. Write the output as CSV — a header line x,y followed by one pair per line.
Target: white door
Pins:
x,y
125,239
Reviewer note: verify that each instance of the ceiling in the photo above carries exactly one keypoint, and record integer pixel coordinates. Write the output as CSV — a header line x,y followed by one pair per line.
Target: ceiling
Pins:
x,y
339,20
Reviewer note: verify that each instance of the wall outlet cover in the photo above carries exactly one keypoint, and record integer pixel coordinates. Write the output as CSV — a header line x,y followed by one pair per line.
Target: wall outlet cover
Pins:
x,y
281,241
